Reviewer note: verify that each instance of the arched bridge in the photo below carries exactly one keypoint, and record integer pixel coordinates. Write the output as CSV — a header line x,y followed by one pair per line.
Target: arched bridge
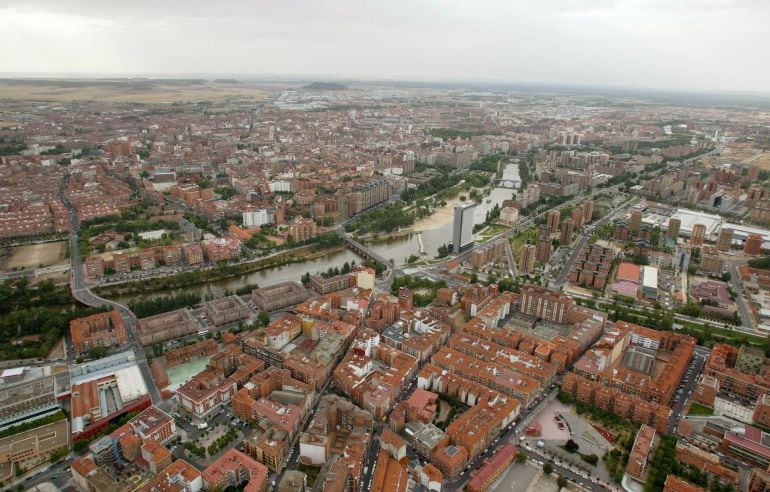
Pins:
x,y
507,182
363,250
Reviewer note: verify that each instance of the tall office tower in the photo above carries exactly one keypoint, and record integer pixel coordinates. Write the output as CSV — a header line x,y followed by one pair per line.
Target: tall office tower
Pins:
x,y
753,245
462,232
725,239
566,232
543,252
698,235
636,221
673,228
588,211
553,220
527,259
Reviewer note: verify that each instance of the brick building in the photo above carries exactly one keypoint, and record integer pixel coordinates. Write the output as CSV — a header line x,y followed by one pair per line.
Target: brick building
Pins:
x,y
104,330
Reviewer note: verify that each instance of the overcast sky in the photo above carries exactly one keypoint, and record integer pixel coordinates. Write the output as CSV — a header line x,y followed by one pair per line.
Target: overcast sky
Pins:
x,y
711,45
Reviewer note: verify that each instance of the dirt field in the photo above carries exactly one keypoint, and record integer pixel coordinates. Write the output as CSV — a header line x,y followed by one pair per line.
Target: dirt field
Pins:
x,y
7,123
34,255
58,351
749,154
121,91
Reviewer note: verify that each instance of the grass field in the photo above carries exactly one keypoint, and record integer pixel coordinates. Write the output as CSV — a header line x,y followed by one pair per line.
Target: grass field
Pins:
x,y
128,91
522,237
698,409
34,255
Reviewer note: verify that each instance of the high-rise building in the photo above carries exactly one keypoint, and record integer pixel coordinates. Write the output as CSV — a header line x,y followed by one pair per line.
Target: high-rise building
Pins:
x,y
527,259
543,252
553,220
577,219
462,232
711,261
588,211
753,172
566,232
673,228
725,239
698,235
636,221
753,245
405,298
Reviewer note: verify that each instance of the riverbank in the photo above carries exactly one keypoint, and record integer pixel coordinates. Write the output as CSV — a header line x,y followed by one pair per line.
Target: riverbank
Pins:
x,y
215,274
439,218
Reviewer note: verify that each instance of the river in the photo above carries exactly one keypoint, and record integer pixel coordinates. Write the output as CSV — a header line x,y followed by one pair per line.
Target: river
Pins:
x,y
397,248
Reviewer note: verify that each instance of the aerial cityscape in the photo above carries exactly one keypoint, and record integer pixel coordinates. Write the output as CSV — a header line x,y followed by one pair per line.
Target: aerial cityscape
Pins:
x,y
231,281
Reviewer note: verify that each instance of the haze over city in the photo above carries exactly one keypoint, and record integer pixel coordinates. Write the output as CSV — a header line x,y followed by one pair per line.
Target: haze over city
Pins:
x,y
703,45
344,246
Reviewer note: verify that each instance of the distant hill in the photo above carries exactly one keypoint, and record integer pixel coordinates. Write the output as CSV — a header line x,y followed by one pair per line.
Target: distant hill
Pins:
x,y
227,81
325,86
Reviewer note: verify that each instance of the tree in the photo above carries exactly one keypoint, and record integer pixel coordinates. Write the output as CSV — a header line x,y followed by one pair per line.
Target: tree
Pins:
x,y
548,468
443,251
521,457
561,481
97,352
264,318
81,445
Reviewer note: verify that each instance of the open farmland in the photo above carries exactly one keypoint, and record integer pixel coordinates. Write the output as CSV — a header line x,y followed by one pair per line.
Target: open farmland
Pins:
x,y
146,91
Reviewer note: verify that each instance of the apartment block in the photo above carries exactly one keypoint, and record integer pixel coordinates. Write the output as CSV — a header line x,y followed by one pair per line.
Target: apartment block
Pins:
x,y
226,310
166,326
279,296
592,268
216,385
545,304
222,248
179,475
233,469
640,455
416,333
338,437
188,353
711,260
632,358
104,330
374,383
324,285
724,239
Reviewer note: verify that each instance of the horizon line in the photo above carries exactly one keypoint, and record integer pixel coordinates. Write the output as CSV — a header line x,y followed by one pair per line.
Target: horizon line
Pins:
x,y
285,77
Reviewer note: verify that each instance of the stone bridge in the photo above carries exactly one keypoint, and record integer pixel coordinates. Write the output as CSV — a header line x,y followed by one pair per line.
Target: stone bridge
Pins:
x,y
364,251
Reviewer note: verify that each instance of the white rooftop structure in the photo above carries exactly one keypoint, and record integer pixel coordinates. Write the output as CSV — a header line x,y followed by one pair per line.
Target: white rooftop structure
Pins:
x,y
649,278
12,372
130,383
741,232
689,218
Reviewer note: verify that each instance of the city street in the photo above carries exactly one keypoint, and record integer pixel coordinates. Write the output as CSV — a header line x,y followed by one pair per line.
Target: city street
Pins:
x,y
82,293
